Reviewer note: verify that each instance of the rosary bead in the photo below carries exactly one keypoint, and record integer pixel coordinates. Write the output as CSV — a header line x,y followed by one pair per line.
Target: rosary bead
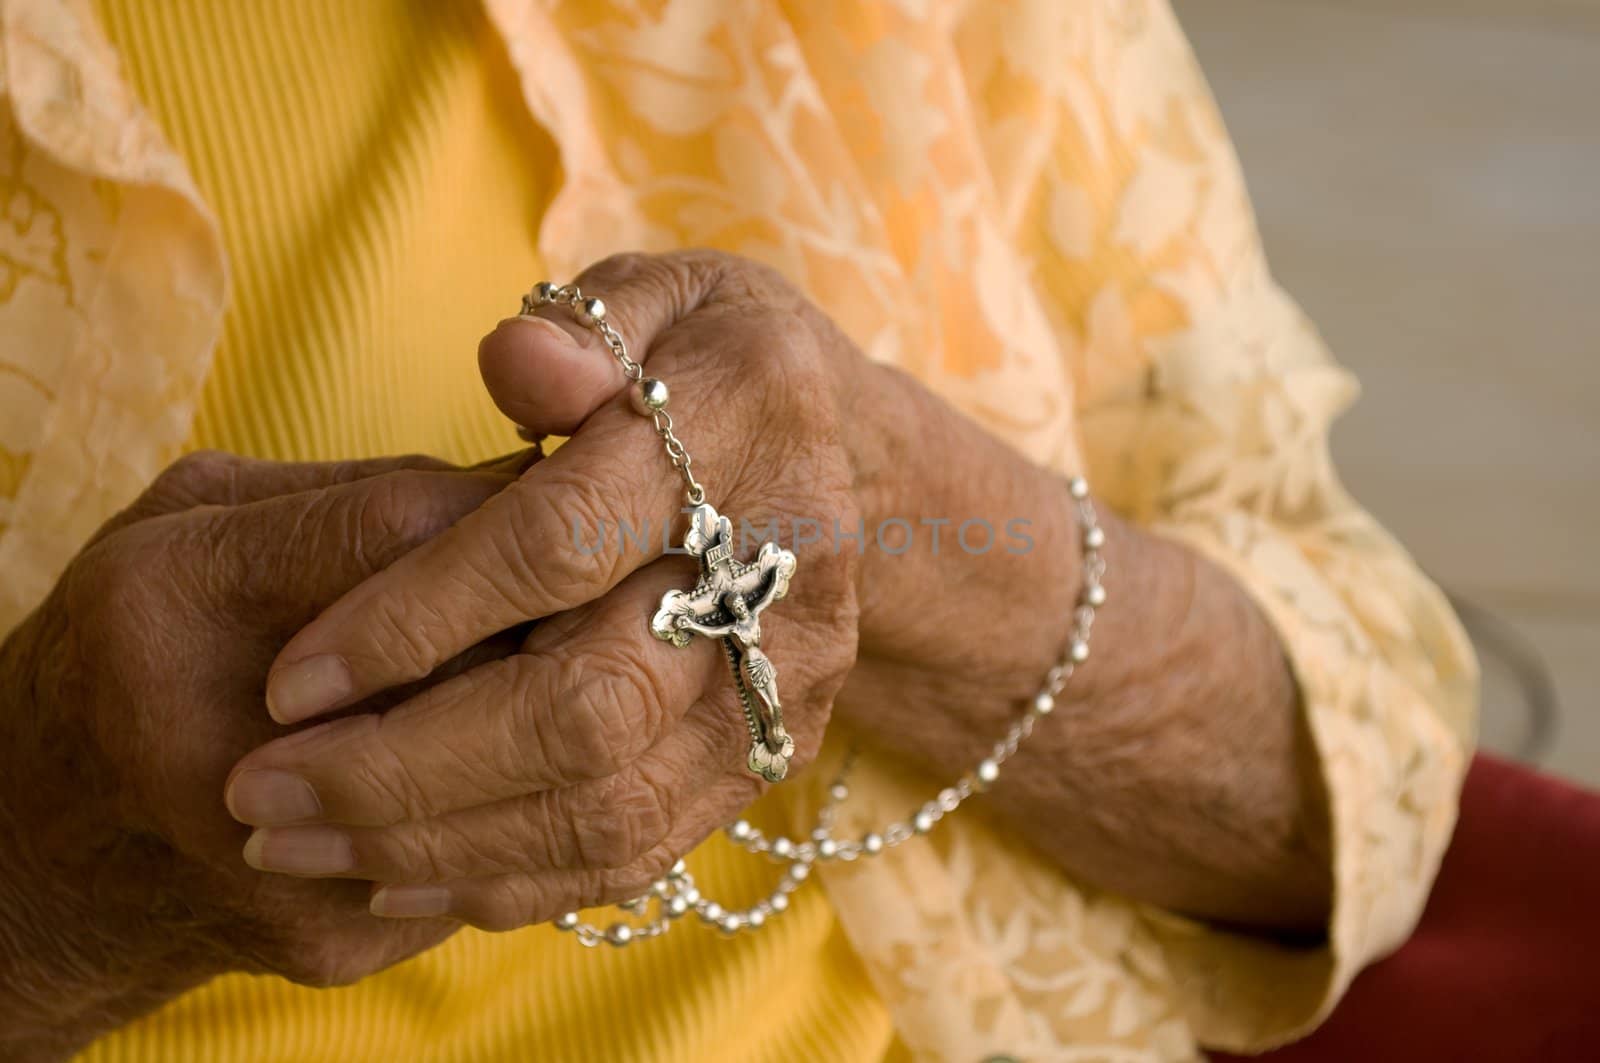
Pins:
x,y
648,396
782,847
755,918
778,902
678,871
988,771
591,312
569,921
872,843
1044,705
827,849
922,822
619,934
1095,595
731,924
1080,651
712,912
691,896
545,292
677,908
739,831
799,872
1078,487
1094,538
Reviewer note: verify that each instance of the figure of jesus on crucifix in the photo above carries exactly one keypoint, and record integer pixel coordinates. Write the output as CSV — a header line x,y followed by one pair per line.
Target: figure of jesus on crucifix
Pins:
x,y
726,603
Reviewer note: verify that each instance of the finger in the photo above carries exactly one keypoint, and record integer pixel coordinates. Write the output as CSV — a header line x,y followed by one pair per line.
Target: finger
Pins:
x,y
506,902
513,464
516,559
551,543
595,692
607,823
312,546
548,372
217,478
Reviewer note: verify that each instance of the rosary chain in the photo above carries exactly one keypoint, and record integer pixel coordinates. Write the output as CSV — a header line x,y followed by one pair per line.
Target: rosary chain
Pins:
x,y
649,396
675,895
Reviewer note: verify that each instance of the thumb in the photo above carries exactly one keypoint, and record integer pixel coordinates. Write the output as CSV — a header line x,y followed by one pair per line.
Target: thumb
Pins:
x,y
548,372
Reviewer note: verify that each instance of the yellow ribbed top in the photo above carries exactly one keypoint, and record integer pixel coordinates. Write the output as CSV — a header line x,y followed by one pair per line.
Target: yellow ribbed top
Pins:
x,y
379,185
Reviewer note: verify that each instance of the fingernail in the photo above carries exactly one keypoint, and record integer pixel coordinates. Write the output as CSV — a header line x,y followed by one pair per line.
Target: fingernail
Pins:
x,y
267,798
563,330
300,851
305,688
410,902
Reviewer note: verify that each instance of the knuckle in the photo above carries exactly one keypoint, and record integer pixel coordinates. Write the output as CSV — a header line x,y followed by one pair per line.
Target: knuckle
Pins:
x,y
793,375
544,827
423,852
405,632
116,599
621,884
602,715
685,277
382,787
613,824
393,514
794,347
506,903
515,901
605,826
566,507
674,283
583,732
734,281
200,476
106,581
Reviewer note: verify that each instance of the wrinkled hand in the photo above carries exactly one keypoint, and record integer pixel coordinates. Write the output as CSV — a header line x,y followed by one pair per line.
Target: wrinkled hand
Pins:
x,y
128,695
575,772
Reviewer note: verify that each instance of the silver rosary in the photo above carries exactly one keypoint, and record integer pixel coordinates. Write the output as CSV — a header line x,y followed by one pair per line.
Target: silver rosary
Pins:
x,y
726,603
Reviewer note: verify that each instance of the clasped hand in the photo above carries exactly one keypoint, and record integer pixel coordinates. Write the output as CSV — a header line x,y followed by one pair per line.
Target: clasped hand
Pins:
x,y
576,769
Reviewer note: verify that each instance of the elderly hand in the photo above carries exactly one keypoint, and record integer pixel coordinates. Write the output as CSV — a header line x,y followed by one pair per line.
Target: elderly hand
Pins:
x,y
129,693
577,771
573,773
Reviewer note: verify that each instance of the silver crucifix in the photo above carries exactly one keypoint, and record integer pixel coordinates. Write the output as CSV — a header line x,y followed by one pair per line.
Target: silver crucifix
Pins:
x,y
726,603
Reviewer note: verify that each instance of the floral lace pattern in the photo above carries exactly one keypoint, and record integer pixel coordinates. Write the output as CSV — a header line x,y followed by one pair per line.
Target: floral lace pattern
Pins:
x,y
111,290
1034,208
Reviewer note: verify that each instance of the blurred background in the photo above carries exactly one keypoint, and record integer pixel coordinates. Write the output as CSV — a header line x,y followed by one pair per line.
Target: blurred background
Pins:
x,y
1427,176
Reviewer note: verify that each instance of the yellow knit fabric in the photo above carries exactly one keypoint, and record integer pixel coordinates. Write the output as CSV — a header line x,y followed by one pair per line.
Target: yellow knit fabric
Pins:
x,y
379,184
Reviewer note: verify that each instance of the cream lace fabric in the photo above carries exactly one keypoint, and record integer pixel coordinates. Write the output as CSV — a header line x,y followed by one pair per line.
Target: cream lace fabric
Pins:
x,y
1032,206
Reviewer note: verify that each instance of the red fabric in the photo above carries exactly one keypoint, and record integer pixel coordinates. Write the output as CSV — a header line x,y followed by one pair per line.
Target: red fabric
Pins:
x,y
1504,964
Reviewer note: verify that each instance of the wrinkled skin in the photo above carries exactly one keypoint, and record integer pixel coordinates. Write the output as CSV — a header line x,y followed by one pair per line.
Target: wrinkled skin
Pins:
x,y
144,672
579,769
574,772
486,732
